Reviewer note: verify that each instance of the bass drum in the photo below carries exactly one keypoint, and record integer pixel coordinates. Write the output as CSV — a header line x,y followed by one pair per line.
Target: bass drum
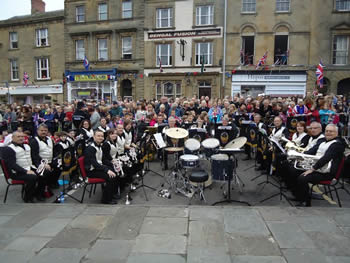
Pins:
x,y
221,165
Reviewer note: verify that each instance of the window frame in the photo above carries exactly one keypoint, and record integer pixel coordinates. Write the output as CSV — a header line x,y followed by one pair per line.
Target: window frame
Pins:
x,y
346,50
12,71
127,10
286,51
210,16
99,13
39,38
198,54
169,54
77,15
77,49
336,2
99,49
248,2
124,48
177,89
169,18
281,2
39,68
11,40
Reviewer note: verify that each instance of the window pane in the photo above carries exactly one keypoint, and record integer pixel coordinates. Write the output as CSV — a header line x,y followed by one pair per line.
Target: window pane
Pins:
x,y
340,50
169,89
80,49
127,9
342,5
164,17
282,5
204,15
102,49
248,5
80,13
13,40
102,12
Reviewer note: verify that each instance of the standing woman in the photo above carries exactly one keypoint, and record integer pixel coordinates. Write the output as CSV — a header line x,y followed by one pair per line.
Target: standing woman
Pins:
x,y
86,131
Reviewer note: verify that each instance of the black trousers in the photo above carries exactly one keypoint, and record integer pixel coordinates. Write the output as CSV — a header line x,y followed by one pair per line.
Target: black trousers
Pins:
x,y
111,184
30,187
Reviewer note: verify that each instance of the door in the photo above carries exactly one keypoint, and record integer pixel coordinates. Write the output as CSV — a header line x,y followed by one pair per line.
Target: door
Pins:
x,y
126,89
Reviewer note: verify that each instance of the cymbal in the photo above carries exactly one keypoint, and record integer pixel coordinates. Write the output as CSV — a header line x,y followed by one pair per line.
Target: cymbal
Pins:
x,y
236,143
176,133
174,149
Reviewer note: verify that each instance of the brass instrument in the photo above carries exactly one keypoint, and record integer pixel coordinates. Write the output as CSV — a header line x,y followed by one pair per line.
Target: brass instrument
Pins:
x,y
118,166
41,168
292,146
306,161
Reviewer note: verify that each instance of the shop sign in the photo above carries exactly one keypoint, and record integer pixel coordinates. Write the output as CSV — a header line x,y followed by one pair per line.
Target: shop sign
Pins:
x,y
84,93
189,33
82,78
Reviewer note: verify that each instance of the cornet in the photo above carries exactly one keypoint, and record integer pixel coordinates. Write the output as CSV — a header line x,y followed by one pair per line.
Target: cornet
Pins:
x,y
41,168
118,166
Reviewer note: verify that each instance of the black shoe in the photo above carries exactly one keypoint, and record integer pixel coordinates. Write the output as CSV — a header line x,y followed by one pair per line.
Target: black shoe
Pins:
x,y
303,204
246,158
111,202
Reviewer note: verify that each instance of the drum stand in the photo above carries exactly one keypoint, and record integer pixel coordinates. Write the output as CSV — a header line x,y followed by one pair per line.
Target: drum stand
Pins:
x,y
64,192
237,180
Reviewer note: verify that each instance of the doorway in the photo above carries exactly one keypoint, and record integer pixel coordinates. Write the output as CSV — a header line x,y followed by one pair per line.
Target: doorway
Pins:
x,y
126,88
204,89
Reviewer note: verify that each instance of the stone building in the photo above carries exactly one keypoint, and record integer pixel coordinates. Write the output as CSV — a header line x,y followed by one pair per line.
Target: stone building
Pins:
x,y
109,34
296,34
183,48
32,44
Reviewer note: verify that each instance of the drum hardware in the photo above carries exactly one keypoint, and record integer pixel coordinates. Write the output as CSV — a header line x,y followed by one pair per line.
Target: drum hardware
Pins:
x,y
127,200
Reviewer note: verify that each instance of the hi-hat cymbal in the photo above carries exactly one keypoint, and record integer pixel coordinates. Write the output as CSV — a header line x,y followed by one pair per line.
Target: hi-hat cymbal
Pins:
x,y
176,133
236,143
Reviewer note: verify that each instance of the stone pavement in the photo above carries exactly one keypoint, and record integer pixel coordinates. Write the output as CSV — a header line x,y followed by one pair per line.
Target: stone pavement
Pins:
x,y
173,234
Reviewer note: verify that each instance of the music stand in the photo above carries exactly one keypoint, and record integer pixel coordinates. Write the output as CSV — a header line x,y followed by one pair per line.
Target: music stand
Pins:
x,y
231,161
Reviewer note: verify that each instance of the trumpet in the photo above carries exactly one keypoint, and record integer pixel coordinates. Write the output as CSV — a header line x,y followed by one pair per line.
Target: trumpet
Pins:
x,y
41,168
306,161
292,146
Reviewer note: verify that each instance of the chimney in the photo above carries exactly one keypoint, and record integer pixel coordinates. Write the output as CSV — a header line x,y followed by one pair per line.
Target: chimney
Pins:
x,y
38,6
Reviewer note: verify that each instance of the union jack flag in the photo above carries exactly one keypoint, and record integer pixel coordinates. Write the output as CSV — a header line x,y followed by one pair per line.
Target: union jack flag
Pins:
x,y
319,74
86,63
25,78
262,61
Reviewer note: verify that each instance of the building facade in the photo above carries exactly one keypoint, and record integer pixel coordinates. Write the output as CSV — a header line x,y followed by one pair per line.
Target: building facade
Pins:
x,y
31,56
109,34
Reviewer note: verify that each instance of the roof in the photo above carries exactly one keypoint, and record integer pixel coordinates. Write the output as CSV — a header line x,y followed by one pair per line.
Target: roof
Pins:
x,y
33,18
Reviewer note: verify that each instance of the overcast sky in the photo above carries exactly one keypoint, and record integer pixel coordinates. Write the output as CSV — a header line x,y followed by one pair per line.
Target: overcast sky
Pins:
x,y
10,8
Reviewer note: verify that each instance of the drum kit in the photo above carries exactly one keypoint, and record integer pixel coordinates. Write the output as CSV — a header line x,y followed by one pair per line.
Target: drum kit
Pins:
x,y
222,161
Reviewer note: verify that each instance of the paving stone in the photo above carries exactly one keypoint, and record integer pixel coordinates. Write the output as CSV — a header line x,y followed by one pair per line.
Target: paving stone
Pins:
x,y
273,213
316,224
59,255
244,221
164,226
101,210
74,238
289,235
335,259
163,244
48,227
90,221
346,231
28,244
4,219
206,213
7,235
252,245
206,233
168,212
342,219
11,210
258,259
110,251
15,256
312,255
29,216
207,255
126,224
155,258
67,211
331,244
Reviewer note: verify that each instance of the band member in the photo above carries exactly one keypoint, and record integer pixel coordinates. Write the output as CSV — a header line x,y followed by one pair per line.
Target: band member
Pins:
x,y
110,148
71,136
279,131
226,132
129,134
121,139
96,169
103,127
331,150
17,157
316,134
301,138
42,152
86,131
62,144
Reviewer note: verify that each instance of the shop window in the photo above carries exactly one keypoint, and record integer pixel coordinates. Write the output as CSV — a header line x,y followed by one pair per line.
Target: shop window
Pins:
x,y
42,68
13,40
204,15
342,5
127,9
281,50
79,49
127,47
248,6
14,70
282,5
42,37
340,50
247,50
164,55
102,11
80,14
164,17
204,53
102,49
168,89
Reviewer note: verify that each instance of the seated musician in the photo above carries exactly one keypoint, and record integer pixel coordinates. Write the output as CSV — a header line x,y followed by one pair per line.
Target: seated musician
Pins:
x,y
279,130
96,169
301,138
129,134
260,125
17,157
226,132
86,131
331,150
315,134
42,151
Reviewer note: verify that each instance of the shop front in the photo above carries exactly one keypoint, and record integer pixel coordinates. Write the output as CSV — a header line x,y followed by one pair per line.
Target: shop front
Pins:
x,y
273,83
92,85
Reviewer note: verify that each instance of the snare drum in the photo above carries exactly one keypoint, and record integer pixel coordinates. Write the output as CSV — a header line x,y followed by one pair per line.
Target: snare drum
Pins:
x,y
192,146
211,146
189,161
221,164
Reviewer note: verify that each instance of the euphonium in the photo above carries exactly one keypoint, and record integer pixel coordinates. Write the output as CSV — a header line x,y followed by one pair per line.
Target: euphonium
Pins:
x,y
306,161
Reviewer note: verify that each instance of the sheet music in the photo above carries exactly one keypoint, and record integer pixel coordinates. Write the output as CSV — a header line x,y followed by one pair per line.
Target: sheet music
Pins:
x,y
159,140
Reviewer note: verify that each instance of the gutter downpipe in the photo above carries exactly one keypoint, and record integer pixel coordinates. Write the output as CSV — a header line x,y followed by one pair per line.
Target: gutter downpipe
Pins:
x,y
222,90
